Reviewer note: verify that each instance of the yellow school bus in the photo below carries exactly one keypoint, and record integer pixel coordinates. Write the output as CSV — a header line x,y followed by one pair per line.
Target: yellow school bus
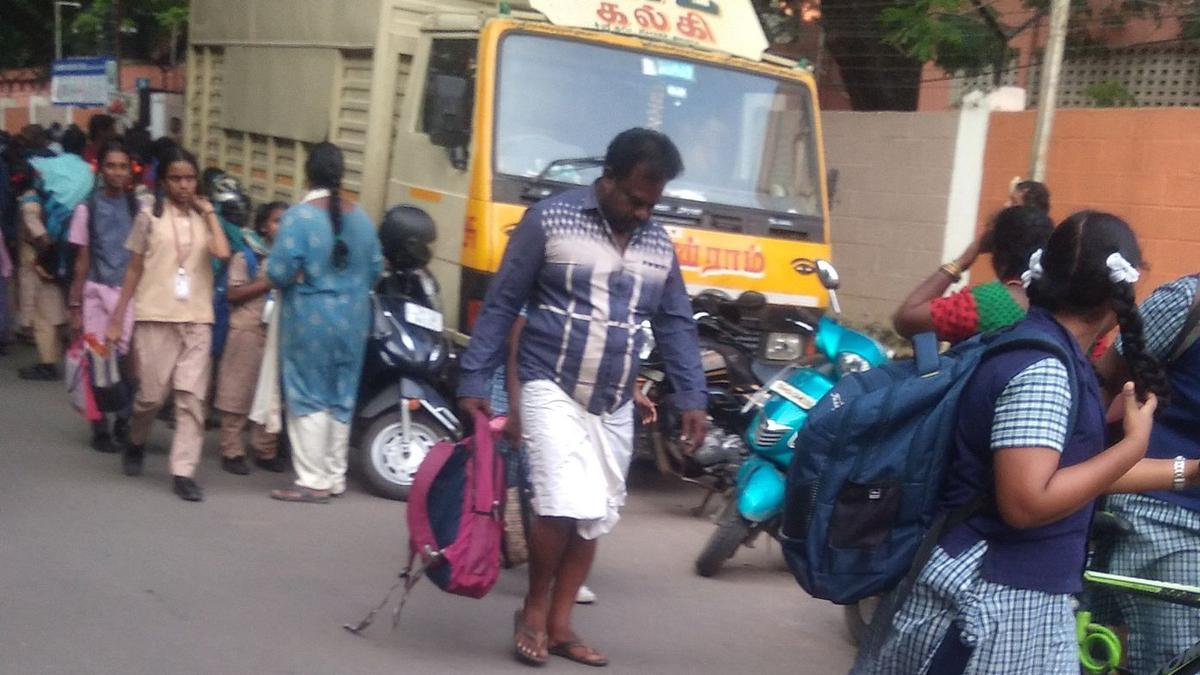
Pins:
x,y
473,110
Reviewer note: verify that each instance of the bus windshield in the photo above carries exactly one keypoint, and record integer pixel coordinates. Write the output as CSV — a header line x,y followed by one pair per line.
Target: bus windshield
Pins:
x,y
747,140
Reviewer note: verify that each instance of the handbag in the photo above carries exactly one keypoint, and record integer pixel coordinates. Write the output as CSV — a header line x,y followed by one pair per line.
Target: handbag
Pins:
x,y
79,384
517,510
109,377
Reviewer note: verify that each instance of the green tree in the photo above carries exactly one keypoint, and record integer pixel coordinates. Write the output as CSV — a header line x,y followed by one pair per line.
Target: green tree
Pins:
x,y
150,30
970,37
880,45
877,74
26,33
142,29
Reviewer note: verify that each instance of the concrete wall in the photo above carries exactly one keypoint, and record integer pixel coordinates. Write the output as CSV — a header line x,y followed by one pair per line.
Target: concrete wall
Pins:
x,y
1139,163
890,210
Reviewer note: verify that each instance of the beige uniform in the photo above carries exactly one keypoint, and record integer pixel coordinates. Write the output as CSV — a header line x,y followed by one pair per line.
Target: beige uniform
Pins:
x,y
237,376
43,302
172,338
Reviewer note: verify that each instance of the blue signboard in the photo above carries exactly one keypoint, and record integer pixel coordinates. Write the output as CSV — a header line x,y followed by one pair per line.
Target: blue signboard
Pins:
x,y
83,81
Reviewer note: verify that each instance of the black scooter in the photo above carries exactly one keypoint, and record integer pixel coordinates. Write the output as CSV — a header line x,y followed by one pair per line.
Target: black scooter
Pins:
x,y
407,390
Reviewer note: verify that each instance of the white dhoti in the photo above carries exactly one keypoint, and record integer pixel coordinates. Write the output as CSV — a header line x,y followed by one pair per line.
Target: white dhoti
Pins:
x,y
577,460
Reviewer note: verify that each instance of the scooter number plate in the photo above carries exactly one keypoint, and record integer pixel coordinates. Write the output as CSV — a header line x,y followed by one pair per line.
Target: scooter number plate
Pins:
x,y
793,394
423,317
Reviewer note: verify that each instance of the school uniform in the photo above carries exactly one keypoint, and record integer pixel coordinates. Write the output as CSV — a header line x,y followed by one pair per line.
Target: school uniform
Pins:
x,y
993,598
172,339
104,233
237,376
1165,542
43,302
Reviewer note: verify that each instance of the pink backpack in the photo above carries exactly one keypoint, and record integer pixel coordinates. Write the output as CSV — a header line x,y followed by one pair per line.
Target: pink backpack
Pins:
x,y
455,520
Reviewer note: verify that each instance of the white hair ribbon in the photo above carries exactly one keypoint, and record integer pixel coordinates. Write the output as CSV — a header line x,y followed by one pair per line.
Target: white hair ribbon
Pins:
x,y
1035,270
1120,271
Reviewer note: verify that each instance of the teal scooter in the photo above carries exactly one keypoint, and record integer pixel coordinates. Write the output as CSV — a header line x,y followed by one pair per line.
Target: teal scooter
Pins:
x,y
783,403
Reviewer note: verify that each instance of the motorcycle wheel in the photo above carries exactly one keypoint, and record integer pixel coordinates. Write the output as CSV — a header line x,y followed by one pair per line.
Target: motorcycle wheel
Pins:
x,y
731,531
388,466
858,617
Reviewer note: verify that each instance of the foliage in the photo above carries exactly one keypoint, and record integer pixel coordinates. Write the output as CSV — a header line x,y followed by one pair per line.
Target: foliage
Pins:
x,y
879,45
145,26
25,33
940,31
968,36
876,75
1110,94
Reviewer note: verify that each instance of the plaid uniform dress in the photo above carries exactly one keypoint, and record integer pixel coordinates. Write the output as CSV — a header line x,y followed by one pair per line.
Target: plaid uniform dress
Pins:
x,y
1165,544
1009,630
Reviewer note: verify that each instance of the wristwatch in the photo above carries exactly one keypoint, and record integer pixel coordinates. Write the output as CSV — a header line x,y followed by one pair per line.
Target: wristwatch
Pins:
x,y
1178,480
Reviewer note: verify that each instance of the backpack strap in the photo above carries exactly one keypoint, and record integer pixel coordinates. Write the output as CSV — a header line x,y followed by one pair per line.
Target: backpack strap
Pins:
x,y
251,260
925,353
91,221
1191,328
431,466
484,466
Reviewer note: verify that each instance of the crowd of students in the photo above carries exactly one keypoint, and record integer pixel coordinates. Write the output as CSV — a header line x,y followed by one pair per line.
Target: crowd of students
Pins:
x,y
119,247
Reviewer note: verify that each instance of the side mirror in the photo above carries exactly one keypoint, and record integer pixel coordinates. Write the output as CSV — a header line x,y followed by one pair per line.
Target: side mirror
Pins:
x,y
832,281
448,110
831,183
828,275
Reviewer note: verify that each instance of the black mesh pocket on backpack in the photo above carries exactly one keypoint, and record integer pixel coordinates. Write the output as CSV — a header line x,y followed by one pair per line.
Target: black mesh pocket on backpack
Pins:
x,y
864,514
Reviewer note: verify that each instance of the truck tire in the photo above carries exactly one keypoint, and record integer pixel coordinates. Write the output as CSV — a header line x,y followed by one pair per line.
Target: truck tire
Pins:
x,y
388,467
731,531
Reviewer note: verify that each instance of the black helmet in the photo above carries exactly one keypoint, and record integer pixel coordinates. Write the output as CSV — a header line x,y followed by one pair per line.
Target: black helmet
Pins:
x,y
227,196
405,236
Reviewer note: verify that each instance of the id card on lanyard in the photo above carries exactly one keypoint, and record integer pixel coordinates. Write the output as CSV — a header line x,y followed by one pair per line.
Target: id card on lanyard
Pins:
x,y
183,281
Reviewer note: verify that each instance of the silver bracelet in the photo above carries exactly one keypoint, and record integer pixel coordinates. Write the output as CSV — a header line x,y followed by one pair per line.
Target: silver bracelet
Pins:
x,y
1178,481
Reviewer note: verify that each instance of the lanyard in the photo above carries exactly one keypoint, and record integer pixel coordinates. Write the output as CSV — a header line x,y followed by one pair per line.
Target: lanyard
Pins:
x,y
182,251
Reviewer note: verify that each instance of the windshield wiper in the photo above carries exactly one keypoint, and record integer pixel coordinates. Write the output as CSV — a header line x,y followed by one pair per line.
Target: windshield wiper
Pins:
x,y
540,189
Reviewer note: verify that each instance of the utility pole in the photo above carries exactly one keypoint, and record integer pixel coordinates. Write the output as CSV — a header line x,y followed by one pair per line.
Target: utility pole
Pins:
x,y
58,25
1048,94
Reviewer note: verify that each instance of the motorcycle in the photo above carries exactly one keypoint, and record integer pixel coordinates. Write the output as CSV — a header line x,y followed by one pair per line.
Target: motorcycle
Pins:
x,y
407,388
735,357
782,405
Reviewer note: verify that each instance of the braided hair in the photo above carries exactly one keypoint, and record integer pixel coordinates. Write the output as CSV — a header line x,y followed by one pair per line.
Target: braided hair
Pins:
x,y
324,169
1075,280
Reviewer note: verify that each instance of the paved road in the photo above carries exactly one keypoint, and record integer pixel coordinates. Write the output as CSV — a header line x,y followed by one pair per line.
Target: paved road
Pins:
x,y
100,574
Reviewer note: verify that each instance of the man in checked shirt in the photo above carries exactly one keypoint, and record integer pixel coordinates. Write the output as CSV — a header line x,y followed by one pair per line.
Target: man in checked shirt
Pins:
x,y
589,265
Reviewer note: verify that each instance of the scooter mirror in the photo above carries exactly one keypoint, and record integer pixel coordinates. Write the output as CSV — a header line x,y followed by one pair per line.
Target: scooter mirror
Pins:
x,y
828,275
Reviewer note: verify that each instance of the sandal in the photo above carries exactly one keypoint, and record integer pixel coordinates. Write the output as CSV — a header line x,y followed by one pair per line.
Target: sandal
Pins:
x,y
577,651
538,638
300,494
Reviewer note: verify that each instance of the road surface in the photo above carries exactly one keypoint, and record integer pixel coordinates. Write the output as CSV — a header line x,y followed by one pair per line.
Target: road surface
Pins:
x,y
100,573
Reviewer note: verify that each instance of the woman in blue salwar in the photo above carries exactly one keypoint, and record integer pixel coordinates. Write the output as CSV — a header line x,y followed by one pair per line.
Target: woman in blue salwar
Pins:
x,y
325,259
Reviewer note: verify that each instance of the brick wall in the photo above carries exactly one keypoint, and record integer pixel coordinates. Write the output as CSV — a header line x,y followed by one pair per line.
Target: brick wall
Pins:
x,y
889,212
1142,164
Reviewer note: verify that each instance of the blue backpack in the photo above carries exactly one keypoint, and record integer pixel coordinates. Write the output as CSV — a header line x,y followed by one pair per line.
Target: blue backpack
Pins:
x,y
861,506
